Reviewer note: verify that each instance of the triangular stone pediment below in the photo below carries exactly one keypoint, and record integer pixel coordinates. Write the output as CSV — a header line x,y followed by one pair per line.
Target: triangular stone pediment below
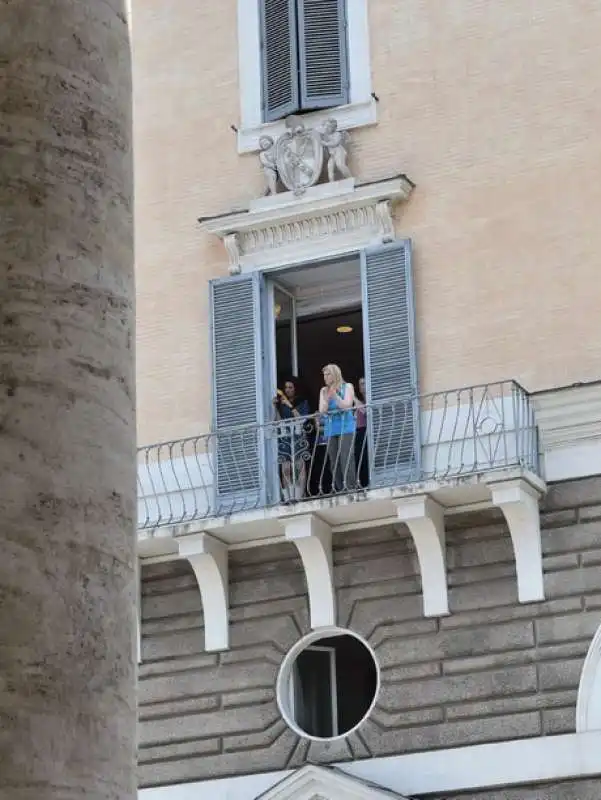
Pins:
x,y
326,783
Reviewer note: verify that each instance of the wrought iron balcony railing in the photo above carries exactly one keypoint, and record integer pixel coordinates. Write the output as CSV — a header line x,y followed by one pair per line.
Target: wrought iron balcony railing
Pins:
x,y
401,441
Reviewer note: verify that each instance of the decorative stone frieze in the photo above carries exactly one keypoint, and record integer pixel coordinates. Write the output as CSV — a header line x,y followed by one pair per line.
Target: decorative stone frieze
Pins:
x,y
327,220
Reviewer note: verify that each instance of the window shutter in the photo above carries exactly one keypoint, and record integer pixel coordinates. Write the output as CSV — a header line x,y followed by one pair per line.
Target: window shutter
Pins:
x,y
391,364
323,53
235,336
279,55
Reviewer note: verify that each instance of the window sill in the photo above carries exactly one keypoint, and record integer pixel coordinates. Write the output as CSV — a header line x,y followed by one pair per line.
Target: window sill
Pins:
x,y
353,115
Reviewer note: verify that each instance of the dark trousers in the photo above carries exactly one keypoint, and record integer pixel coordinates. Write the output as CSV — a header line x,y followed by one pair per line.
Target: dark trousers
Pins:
x,y
361,456
341,456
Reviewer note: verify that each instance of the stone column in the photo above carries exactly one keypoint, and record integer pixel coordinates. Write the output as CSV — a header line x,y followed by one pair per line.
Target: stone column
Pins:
x,y
67,426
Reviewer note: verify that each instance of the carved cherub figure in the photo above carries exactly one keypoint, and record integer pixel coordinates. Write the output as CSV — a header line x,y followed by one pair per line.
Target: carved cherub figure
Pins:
x,y
267,160
294,124
335,142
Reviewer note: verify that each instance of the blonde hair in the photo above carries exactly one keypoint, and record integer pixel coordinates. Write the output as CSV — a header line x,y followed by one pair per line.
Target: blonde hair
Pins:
x,y
336,374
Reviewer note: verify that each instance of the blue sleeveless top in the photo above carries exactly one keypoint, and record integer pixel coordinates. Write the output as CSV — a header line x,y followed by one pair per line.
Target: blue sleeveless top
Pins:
x,y
339,421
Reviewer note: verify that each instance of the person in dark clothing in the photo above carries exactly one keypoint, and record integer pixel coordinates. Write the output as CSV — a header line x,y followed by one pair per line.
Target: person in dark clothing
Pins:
x,y
293,440
361,453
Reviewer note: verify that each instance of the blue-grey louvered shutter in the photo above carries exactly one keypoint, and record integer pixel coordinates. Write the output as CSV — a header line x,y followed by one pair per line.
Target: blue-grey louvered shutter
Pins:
x,y
391,364
236,449
323,57
279,58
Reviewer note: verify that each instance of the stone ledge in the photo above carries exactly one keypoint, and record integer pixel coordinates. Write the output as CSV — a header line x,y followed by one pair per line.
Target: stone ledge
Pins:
x,y
515,762
354,115
569,422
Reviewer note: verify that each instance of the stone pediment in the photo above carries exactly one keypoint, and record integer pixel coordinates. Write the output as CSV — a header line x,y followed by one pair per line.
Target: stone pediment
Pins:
x,y
326,783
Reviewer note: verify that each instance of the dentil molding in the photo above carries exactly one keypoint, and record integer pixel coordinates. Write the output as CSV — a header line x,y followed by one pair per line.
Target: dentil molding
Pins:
x,y
327,220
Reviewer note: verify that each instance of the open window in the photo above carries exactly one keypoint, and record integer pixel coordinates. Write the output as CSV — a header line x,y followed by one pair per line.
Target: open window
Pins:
x,y
318,320
355,311
326,689
314,691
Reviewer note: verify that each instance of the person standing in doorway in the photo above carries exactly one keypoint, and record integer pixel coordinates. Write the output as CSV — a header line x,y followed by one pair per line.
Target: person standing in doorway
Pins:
x,y
336,402
361,436
293,440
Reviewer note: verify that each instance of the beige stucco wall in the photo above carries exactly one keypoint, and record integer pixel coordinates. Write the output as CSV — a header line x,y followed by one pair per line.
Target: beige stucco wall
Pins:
x,y
491,108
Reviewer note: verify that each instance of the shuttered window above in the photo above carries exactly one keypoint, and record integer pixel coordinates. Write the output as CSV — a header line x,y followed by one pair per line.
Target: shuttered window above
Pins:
x,y
323,53
304,56
279,58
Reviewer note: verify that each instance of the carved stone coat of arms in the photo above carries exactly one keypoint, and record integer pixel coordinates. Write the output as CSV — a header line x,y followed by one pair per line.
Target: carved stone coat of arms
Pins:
x,y
298,156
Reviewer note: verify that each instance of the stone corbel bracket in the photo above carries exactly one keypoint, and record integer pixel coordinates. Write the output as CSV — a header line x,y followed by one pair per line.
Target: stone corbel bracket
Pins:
x,y
518,500
209,561
327,220
313,540
425,519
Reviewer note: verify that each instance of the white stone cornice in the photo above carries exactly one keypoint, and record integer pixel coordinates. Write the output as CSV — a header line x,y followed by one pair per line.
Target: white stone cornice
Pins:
x,y
518,500
568,416
209,561
313,540
569,423
471,768
425,519
327,220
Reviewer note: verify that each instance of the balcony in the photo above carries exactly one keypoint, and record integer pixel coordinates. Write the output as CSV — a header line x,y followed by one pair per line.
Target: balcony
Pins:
x,y
448,438
410,460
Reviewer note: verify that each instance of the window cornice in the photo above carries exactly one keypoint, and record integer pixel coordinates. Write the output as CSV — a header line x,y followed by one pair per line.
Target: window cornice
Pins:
x,y
328,220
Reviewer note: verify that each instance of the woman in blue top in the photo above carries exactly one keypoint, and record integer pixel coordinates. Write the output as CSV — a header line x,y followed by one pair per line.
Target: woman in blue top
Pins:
x,y
336,401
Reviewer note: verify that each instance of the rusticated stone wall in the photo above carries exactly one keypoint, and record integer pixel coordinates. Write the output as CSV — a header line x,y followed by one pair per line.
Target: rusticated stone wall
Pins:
x,y
492,670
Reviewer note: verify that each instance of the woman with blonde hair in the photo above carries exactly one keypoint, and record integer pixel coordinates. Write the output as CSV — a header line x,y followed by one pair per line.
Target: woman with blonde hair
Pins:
x,y
336,401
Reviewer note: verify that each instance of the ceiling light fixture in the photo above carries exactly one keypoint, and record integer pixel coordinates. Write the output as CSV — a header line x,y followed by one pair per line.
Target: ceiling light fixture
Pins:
x,y
344,329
